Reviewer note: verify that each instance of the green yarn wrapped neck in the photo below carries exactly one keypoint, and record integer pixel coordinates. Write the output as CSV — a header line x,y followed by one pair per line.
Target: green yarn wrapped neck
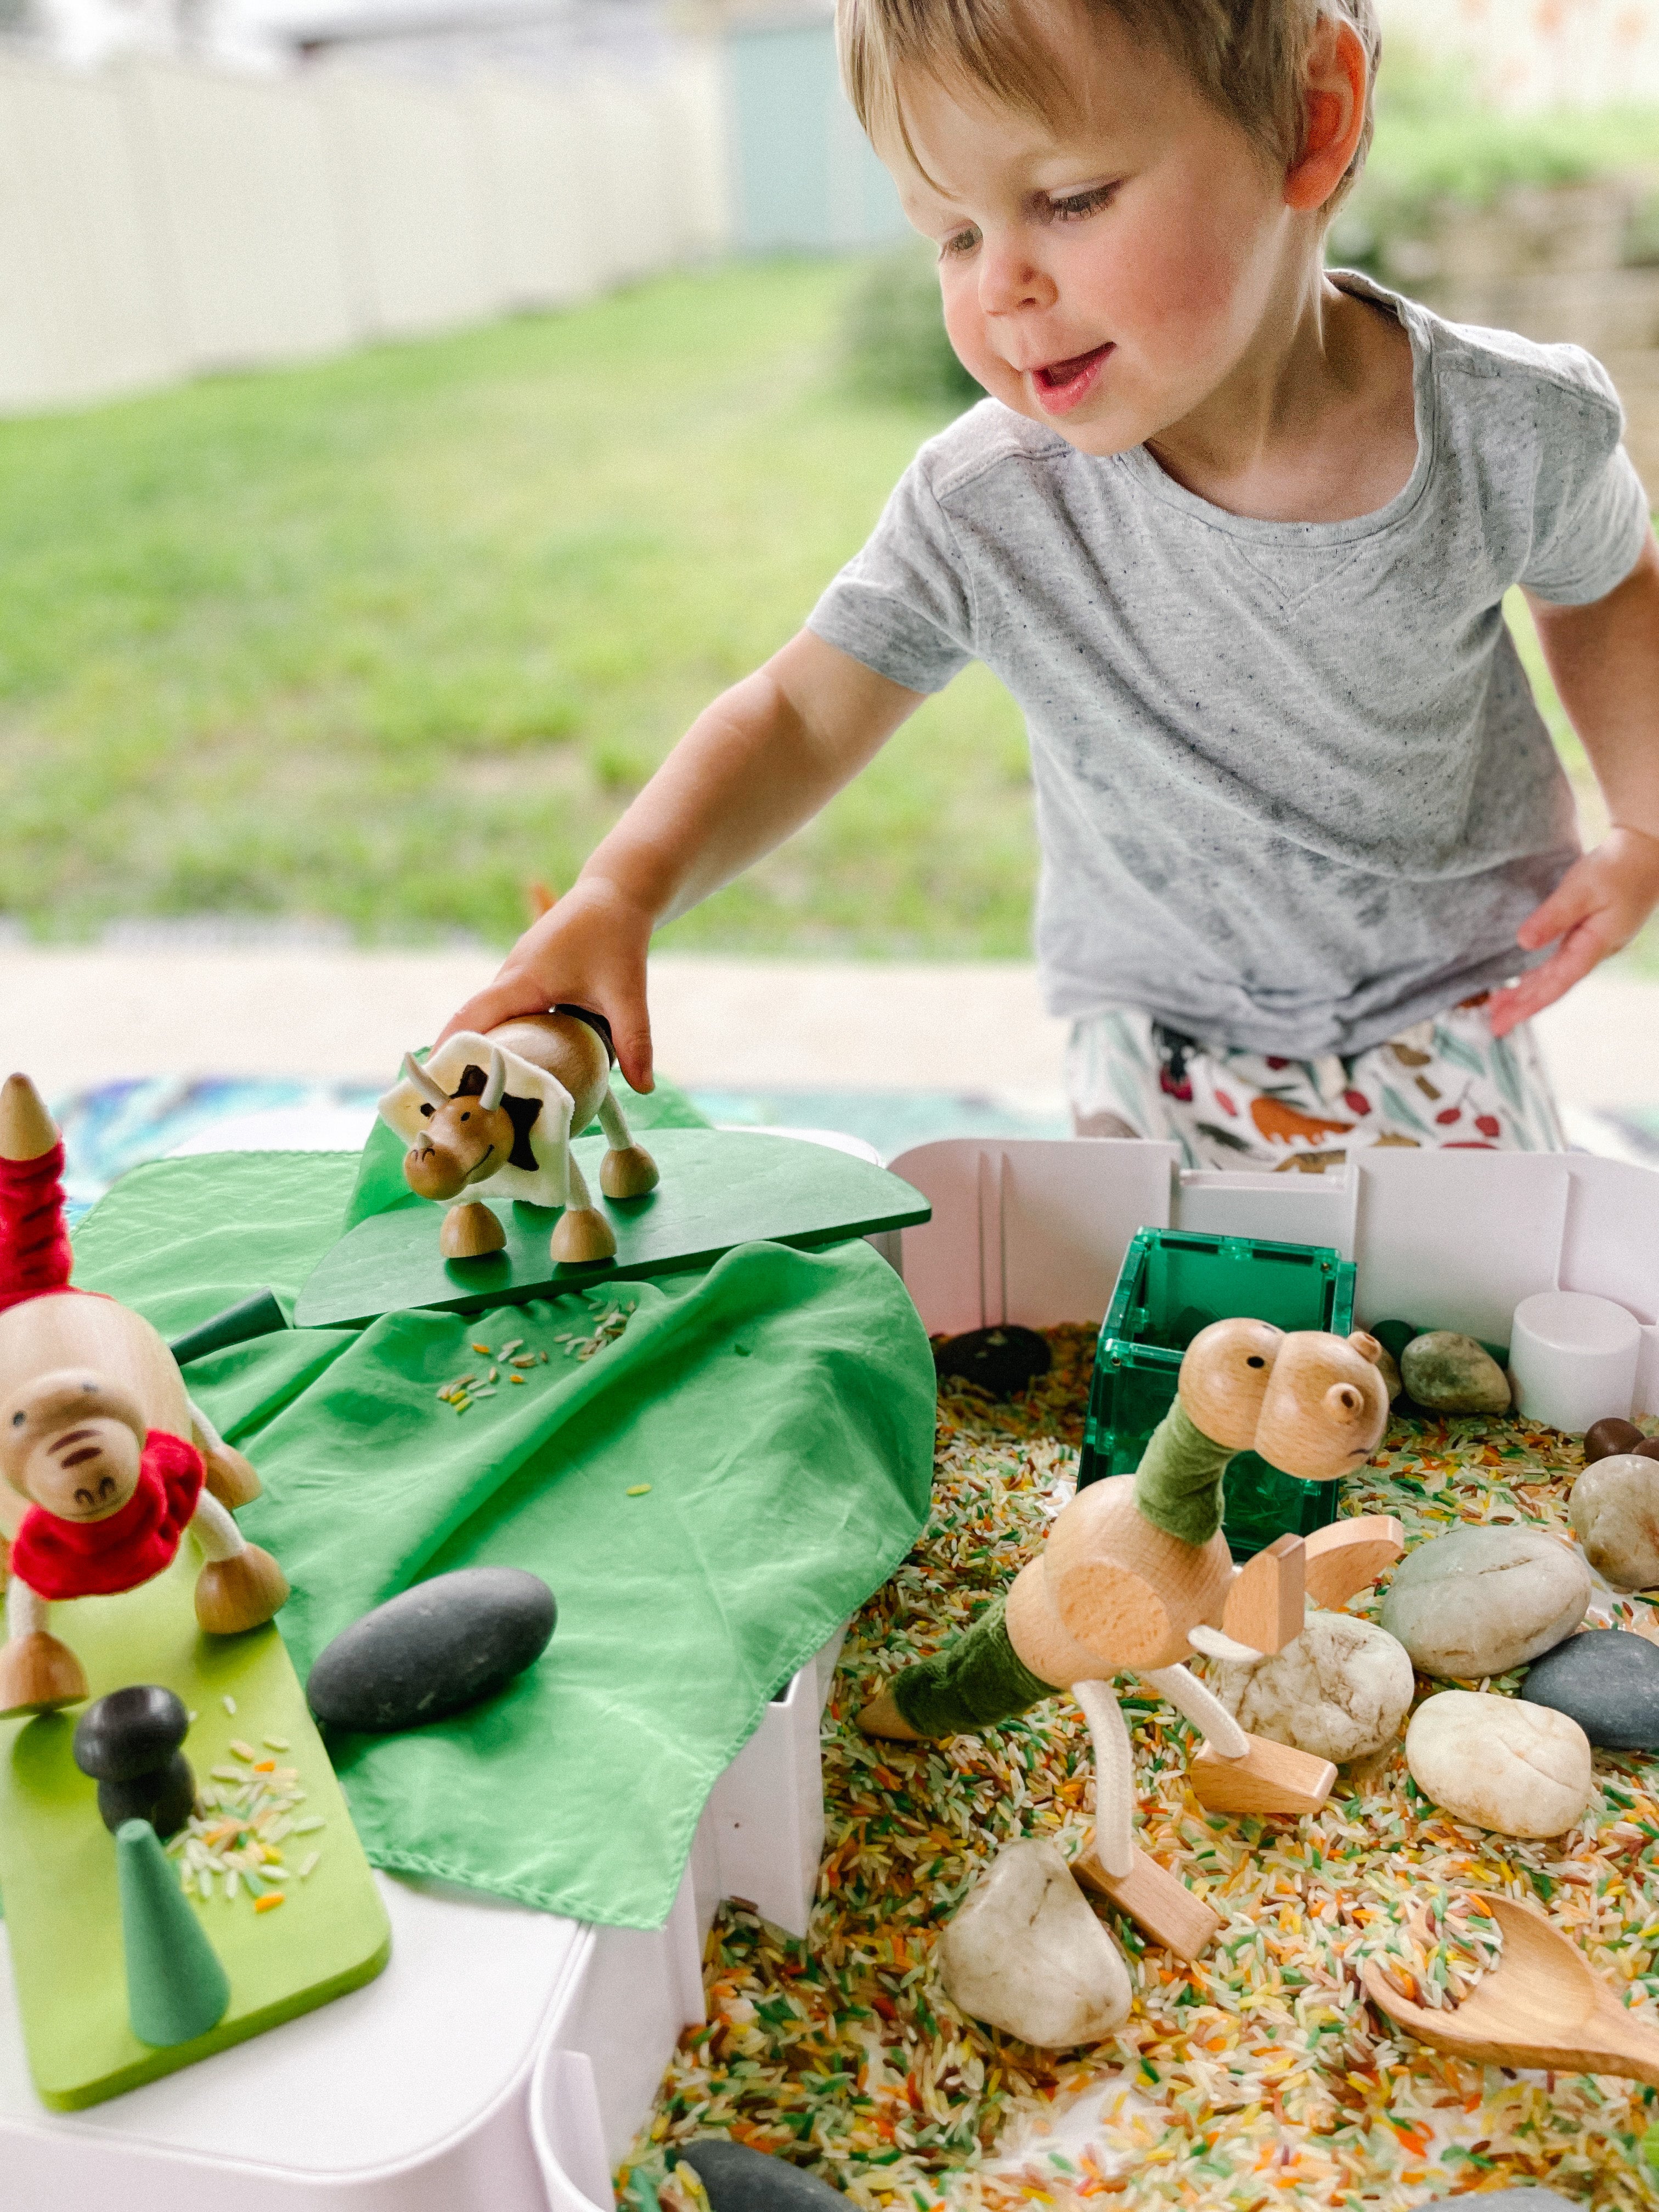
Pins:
x,y
1178,1482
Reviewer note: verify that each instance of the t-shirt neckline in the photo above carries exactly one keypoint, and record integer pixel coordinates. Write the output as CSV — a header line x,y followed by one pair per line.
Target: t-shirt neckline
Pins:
x,y
1150,477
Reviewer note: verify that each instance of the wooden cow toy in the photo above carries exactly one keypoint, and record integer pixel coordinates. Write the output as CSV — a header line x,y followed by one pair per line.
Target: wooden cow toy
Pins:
x,y
502,1109
104,1461
1136,1575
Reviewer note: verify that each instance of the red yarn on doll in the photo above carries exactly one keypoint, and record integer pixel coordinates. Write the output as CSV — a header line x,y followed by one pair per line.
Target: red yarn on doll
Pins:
x,y
34,1251
97,1559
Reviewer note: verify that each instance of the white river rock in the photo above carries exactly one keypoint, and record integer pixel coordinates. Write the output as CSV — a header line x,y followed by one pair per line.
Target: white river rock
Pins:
x,y
1615,1512
1479,1600
1339,1691
1520,1770
1026,1954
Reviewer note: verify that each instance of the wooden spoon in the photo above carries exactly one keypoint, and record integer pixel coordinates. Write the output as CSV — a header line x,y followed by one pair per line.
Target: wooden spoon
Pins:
x,y
1541,2006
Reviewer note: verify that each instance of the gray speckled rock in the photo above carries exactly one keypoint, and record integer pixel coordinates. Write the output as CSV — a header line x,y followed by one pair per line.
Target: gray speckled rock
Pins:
x,y
1476,1602
1607,1681
1615,1512
1339,1691
1516,1769
1451,1373
1026,1954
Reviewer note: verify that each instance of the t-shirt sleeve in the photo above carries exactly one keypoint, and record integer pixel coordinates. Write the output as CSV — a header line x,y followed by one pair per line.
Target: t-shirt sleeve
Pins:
x,y
1591,515
904,605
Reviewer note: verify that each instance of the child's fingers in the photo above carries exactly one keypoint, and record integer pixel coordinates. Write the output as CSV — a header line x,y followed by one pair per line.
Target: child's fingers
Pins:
x,y
1519,1002
630,1031
513,992
1574,898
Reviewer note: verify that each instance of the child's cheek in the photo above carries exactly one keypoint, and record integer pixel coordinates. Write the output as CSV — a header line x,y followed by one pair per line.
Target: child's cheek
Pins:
x,y
964,325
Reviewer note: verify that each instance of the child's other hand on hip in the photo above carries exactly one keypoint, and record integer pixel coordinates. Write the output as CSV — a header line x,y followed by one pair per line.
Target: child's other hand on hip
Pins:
x,y
587,950
1597,909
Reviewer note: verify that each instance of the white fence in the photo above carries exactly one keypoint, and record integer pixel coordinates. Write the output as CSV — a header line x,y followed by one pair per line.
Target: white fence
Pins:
x,y
159,218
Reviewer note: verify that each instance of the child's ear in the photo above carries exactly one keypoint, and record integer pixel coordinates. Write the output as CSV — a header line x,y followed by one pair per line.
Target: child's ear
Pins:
x,y
1334,114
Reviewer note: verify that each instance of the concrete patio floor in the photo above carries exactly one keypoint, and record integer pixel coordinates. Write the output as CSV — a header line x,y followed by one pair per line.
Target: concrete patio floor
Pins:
x,y
78,1016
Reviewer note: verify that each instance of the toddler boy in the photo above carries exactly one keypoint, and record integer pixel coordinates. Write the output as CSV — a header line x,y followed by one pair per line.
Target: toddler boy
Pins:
x,y
1235,533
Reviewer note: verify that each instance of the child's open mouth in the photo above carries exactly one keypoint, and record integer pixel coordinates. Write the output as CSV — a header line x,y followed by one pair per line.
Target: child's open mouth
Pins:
x,y
1061,383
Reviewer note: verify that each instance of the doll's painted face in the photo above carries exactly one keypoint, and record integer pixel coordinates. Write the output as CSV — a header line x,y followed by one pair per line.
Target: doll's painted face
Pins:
x,y
72,1442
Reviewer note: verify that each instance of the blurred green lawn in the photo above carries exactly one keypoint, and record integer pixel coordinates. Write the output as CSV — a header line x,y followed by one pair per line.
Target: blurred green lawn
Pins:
x,y
386,640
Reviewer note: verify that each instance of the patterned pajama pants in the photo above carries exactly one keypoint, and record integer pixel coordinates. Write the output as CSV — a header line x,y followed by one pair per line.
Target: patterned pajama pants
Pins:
x,y
1448,1082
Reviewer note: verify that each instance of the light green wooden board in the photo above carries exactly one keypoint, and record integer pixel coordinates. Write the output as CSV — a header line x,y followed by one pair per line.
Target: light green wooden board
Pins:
x,y
719,1188
57,1859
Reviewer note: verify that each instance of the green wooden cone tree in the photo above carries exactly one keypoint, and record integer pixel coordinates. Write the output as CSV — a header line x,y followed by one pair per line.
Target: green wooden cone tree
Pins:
x,y
176,1987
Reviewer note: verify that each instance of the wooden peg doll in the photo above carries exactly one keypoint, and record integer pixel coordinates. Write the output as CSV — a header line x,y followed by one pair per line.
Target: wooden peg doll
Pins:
x,y
1136,1575
502,1109
104,1461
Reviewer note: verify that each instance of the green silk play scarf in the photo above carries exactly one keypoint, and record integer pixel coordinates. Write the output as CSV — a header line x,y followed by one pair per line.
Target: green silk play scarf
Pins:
x,y
779,1406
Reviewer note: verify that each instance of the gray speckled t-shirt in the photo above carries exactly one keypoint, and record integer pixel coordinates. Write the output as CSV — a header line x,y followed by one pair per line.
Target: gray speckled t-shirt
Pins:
x,y
1292,792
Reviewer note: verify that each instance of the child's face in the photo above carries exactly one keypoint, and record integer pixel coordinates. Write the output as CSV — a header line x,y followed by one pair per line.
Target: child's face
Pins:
x,y
1108,277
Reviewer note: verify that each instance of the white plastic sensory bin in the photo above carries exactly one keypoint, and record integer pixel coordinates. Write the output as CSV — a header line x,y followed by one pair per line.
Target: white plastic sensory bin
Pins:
x,y
505,2057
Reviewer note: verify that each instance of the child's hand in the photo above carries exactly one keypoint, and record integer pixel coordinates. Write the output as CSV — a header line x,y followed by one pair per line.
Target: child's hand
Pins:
x,y
587,950
1597,907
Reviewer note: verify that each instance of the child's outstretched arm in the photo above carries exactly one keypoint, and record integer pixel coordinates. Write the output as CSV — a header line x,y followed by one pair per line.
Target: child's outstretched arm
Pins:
x,y
752,769
1605,660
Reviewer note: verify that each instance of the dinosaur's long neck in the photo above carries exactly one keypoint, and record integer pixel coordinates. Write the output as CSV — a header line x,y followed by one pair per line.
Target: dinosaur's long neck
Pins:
x,y
1178,1482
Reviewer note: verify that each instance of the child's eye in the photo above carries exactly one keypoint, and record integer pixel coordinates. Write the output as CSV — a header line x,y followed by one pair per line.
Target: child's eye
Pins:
x,y
959,242
1078,205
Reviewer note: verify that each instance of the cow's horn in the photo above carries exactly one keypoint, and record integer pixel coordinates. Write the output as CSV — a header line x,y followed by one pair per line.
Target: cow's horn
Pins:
x,y
429,1086
494,1089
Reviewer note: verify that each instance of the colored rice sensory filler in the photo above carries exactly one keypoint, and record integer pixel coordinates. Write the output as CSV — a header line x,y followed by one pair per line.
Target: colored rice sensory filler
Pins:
x,y
1437,1952
248,1817
1259,2076
516,1355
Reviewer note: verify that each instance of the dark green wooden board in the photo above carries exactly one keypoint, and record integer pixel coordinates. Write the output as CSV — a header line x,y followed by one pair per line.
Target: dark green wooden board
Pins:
x,y
719,1188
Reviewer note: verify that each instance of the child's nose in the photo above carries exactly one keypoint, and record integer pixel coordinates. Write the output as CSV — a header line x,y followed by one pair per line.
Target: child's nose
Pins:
x,y
1010,278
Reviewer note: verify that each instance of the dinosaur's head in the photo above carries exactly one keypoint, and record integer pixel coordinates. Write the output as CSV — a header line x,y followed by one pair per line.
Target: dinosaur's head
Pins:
x,y
1312,1404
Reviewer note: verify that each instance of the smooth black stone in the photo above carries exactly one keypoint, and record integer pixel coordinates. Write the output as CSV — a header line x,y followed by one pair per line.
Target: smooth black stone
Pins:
x,y
164,1798
132,1731
998,1361
1607,1681
433,1650
739,2178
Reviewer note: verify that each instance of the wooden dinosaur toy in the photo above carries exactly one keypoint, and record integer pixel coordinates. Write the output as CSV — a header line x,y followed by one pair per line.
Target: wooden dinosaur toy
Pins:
x,y
1136,1575
104,1461
502,1109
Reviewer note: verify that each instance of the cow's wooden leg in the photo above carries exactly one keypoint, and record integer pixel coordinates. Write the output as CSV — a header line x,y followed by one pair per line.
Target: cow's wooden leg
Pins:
x,y
583,1234
627,1170
470,1231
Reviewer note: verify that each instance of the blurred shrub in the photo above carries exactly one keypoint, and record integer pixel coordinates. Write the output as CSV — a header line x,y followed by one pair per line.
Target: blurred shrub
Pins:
x,y
1642,234
1439,152
894,340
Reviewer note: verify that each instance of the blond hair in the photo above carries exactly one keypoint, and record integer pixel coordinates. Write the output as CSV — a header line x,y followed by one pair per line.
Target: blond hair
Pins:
x,y
1247,58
